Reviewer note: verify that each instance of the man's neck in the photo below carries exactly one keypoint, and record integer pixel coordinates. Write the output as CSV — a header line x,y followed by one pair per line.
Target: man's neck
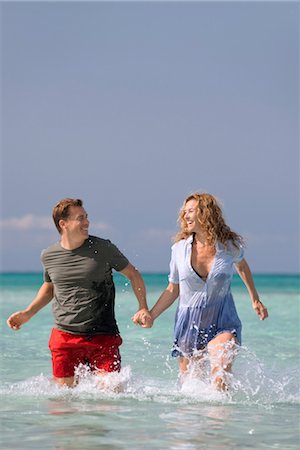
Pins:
x,y
71,244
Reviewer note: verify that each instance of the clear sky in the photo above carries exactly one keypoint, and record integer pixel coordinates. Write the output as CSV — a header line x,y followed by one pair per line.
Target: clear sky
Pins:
x,y
132,106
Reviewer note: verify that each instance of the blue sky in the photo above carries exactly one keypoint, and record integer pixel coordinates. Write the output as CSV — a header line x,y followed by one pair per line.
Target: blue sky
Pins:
x,y
132,106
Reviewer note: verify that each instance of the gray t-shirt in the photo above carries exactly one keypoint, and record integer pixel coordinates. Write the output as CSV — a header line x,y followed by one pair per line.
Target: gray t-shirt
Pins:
x,y
84,291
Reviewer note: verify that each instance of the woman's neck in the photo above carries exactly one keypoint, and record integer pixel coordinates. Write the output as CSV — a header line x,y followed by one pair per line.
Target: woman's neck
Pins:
x,y
200,239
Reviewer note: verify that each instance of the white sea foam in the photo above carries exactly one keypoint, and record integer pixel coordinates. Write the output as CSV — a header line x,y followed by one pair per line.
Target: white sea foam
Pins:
x,y
251,383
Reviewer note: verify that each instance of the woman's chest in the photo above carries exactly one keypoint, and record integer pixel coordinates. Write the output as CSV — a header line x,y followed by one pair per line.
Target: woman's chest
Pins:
x,y
202,260
210,268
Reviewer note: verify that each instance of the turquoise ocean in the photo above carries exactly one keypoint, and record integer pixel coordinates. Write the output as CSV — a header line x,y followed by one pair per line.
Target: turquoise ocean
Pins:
x,y
154,411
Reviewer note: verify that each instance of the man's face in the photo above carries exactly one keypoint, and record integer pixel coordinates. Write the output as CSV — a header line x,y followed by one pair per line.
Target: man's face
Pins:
x,y
76,226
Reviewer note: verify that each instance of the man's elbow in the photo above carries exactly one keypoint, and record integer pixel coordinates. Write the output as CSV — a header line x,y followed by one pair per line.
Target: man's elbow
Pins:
x,y
131,273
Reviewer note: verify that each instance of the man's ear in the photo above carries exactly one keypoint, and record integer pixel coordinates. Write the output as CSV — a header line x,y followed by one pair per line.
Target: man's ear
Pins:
x,y
62,224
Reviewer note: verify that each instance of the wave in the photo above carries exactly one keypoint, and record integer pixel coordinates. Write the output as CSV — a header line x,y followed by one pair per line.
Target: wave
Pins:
x,y
251,383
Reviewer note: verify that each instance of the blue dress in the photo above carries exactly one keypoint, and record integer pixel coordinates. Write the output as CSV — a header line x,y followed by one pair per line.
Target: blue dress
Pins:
x,y
205,308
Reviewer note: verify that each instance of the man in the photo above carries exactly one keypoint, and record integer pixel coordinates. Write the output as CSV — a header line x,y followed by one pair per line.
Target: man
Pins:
x,y
78,278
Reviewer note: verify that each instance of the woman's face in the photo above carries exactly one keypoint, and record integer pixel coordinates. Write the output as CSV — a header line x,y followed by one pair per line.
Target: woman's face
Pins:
x,y
190,216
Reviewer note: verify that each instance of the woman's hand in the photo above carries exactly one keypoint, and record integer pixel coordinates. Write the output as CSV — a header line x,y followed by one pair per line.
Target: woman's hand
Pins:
x,y
143,318
260,309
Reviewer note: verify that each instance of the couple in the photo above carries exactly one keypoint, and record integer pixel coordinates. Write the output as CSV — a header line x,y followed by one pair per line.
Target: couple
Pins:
x,y
78,280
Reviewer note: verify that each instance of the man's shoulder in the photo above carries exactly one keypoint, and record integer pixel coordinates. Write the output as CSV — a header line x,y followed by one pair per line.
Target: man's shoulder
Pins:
x,y
100,244
107,249
52,248
98,241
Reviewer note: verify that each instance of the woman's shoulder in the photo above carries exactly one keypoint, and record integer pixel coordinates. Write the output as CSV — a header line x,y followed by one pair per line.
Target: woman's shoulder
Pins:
x,y
182,243
232,249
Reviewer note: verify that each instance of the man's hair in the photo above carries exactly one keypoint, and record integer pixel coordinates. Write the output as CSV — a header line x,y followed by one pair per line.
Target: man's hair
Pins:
x,y
62,210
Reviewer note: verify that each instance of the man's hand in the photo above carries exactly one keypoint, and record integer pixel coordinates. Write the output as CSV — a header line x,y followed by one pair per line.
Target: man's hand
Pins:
x,y
143,318
44,296
17,319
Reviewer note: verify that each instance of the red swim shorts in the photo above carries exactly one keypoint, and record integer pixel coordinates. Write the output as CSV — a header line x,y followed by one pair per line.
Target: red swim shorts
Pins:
x,y
99,352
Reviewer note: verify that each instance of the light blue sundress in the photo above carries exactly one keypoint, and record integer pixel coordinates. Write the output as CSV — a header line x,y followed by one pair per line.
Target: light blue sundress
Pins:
x,y
205,308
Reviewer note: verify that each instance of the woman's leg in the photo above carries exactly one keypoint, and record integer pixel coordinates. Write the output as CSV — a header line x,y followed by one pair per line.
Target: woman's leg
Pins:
x,y
221,353
195,365
183,365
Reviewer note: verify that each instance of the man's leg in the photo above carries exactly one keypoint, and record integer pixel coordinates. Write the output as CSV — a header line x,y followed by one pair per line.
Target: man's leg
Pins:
x,y
105,359
65,357
66,381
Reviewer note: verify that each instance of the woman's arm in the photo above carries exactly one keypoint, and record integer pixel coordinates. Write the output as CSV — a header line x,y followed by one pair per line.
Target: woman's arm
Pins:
x,y
244,272
166,299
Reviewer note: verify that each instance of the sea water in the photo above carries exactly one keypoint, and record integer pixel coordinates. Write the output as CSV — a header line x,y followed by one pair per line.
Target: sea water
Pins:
x,y
154,410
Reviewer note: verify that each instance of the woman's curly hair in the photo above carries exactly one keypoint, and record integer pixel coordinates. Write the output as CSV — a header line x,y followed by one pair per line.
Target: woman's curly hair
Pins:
x,y
211,220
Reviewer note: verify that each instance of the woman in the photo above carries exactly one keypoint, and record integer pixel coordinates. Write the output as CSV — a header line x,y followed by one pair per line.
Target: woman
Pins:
x,y
203,259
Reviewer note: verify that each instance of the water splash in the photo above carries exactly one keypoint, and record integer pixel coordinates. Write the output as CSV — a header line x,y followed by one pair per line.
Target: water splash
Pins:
x,y
250,383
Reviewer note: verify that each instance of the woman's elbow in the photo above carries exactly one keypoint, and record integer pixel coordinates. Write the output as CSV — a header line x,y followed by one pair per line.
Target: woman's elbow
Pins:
x,y
173,289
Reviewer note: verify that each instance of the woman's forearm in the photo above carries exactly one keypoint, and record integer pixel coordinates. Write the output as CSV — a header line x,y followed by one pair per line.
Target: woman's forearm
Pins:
x,y
244,272
166,299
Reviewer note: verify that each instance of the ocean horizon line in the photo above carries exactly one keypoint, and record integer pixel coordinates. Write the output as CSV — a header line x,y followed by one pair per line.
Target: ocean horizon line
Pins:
x,y
145,272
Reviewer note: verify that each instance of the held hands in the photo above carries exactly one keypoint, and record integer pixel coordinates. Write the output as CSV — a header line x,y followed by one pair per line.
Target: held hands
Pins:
x,y
143,318
260,309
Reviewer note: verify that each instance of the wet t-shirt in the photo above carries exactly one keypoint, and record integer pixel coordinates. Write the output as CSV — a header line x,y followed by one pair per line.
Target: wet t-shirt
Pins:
x,y
84,291
206,307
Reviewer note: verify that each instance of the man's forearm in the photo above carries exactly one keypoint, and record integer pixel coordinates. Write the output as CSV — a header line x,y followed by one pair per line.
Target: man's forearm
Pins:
x,y
139,289
137,284
43,297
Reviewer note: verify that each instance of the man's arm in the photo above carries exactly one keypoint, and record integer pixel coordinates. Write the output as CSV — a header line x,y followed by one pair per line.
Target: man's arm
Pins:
x,y
143,316
43,297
